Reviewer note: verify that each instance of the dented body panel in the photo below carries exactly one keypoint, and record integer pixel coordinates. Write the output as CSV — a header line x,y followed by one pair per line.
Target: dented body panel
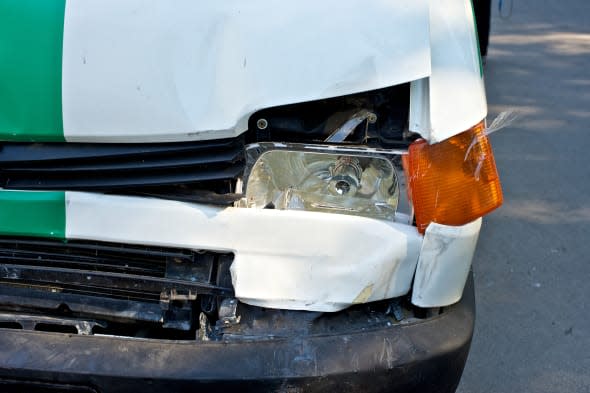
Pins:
x,y
137,71
452,99
147,71
444,264
283,259
297,260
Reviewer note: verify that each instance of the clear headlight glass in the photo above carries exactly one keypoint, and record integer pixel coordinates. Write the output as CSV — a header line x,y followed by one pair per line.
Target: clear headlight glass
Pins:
x,y
336,183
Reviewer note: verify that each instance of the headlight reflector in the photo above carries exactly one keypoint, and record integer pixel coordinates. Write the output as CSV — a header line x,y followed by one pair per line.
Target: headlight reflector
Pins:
x,y
336,183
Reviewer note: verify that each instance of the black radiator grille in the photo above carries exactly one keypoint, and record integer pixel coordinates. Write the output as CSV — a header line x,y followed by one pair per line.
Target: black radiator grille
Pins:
x,y
111,270
116,167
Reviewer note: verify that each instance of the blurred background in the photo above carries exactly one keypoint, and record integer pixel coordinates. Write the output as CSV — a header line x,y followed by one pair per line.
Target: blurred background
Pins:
x,y
532,267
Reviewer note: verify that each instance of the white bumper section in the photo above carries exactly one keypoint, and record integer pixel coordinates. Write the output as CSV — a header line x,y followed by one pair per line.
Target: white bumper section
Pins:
x,y
288,259
445,261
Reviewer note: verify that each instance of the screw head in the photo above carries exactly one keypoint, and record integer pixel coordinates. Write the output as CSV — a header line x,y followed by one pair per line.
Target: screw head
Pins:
x,y
262,124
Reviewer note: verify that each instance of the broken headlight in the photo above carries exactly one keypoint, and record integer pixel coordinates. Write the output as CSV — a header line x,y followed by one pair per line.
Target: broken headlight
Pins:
x,y
324,181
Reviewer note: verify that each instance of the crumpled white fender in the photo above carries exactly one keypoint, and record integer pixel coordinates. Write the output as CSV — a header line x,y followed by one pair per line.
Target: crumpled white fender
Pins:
x,y
444,264
452,99
283,258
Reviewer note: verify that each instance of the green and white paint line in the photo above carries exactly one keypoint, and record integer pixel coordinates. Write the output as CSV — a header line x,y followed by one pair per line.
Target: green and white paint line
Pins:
x,y
31,213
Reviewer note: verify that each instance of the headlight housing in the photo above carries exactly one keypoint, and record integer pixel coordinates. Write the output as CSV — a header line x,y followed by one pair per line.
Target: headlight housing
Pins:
x,y
333,182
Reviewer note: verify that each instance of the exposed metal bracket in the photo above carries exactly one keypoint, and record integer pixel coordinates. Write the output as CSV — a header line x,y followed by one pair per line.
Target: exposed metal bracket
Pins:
x,y
173,295
228,312
395,309
342,132
205,331
177,307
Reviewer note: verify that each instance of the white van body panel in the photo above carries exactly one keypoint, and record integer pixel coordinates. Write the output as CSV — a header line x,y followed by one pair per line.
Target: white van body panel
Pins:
x,y
452,99
150,70
283,259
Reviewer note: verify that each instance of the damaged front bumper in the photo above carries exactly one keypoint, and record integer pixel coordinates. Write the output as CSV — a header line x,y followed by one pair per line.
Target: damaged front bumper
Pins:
x,y
285,259
419,355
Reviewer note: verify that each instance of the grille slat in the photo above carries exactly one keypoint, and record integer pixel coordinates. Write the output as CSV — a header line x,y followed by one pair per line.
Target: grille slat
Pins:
x,y
120,180
118,281
100,266
106,167
112,270
18,152
126,164
92,248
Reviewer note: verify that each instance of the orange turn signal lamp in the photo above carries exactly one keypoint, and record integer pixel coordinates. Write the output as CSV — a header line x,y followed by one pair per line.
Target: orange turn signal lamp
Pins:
x,y
452,182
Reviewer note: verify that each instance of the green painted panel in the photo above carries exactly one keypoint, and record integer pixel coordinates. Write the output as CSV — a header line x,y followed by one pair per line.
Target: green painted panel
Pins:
x,y
31,41
30,213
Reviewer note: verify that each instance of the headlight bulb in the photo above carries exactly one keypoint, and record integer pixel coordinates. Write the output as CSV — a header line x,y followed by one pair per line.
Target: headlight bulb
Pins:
x,y
345,176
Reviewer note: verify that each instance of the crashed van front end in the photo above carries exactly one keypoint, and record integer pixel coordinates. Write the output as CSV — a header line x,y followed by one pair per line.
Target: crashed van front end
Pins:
x,y
231,196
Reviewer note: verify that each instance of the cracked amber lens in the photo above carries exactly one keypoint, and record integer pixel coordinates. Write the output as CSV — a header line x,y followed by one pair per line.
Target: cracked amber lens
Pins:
x,y
455,181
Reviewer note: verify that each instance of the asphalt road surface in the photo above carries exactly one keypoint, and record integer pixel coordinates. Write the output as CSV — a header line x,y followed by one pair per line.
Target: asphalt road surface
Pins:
x,y
532,267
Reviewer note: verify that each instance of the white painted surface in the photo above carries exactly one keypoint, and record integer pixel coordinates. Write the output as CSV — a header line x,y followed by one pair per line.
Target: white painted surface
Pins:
x,y
152,70
443,267
283,259
452,99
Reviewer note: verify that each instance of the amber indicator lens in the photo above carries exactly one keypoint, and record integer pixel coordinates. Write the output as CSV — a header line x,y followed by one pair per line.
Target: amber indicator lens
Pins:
x,y
455,181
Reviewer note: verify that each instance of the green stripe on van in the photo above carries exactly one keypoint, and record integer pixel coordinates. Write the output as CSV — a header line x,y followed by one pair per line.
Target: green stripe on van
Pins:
x,y
32,213
31,41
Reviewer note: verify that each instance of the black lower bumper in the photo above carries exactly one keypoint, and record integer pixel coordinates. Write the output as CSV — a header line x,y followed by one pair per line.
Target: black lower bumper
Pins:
x,y
427,356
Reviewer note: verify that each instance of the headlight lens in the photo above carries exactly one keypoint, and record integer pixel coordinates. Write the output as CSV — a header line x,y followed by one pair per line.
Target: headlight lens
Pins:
x,y
334,183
